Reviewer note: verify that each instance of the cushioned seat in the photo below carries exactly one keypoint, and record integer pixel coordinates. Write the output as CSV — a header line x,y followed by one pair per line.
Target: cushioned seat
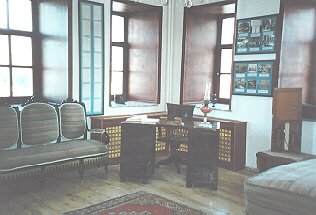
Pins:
x,y
288,189
49,154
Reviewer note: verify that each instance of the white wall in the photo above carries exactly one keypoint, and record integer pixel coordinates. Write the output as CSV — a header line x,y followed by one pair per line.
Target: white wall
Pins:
x,y
256,111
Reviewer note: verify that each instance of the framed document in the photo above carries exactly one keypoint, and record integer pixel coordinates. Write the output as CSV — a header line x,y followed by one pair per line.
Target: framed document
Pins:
x,y
256,35
253,78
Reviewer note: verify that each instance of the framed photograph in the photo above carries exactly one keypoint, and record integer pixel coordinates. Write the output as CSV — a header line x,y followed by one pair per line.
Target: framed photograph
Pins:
x,y
253,78
256,35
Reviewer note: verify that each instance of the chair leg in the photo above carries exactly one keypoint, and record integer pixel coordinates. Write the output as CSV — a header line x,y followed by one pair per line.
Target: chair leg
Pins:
x,y
43,178
81,169
106,167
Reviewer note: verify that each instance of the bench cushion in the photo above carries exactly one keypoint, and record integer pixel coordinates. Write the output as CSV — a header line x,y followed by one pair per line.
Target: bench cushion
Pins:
x,y
50,154
9,131
287,189
39,124
72,121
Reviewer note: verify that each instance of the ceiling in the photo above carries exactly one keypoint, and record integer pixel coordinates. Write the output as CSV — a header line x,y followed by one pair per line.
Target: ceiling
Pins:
x,y
131,7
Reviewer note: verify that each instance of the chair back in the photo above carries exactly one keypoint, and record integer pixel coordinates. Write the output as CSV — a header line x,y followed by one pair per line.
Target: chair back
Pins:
x,y
39,124
183,111
73,123
9,128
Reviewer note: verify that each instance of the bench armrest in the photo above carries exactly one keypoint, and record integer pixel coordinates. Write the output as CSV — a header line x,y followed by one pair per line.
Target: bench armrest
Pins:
x,y
105,135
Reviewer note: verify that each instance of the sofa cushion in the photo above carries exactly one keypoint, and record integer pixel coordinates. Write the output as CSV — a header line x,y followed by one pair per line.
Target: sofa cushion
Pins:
x,y
50,154
9,131
39,124
286,189
72,121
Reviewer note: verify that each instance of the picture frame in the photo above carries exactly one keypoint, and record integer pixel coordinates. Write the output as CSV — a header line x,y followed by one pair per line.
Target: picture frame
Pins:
x,y
256,35
253,78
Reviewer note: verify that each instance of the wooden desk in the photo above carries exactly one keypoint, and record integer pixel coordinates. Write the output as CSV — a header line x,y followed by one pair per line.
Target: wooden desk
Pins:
x,y
269,159
138,152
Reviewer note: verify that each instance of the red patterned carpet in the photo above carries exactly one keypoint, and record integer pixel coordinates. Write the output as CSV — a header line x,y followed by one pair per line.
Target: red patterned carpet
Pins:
x,y
140,203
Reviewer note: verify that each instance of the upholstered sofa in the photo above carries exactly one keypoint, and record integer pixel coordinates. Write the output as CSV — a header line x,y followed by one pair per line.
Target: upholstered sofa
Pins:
x,y
40,135
283,190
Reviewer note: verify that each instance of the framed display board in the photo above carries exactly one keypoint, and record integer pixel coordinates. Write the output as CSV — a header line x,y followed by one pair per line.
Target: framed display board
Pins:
x,y
256,35
253,78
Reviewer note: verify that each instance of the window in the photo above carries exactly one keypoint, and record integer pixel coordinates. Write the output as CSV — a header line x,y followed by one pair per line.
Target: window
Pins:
x,y
208,52
226,49
16,66
119,47
135,54
298,52
91,57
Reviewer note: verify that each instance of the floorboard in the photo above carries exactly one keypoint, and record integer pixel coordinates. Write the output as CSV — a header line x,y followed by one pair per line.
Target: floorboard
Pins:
x,y
63,191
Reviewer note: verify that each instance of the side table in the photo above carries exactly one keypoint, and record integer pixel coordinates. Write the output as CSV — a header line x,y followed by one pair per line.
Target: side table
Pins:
x,y
269,159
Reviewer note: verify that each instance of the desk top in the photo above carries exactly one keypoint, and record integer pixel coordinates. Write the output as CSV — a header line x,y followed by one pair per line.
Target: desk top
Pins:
x,y
186,125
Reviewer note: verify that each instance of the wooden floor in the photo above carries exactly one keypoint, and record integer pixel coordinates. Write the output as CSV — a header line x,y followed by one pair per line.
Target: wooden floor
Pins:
x,y
64,192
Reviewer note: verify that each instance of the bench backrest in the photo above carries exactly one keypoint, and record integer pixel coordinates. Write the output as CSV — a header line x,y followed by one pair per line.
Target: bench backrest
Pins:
x,y
9,129
39,124
73,123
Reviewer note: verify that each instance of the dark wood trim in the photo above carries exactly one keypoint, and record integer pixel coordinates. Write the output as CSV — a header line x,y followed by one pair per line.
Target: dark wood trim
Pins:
x,y
70,51
217,56
183,54
217,59
278,41
125,58
308,112
233,57
159,56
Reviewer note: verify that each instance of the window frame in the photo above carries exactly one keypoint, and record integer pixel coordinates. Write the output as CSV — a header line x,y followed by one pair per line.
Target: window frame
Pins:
x,y
127,85
29,34
124,46
217,74
92,98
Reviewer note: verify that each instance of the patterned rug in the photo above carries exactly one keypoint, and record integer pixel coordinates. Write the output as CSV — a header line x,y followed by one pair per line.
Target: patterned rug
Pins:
x,y
140,203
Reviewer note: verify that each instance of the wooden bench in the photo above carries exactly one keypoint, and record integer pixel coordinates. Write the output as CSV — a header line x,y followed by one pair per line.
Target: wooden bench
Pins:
x,y
42,135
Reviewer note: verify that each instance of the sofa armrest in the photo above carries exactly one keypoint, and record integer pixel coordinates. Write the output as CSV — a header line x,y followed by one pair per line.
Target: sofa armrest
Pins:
x,y
105,135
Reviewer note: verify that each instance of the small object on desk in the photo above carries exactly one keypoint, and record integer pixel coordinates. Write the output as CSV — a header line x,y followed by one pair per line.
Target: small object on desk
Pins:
x,y
163,119
177,120
205,109
142,119
212,125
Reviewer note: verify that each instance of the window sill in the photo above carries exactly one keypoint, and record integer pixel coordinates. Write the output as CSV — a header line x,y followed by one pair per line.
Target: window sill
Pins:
x,y
132,104
218,106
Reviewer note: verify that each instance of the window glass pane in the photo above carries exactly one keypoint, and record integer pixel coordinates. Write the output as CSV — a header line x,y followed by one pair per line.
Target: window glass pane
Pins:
x,y
97,89
97,74
21,48
22,81
86,28
3,14
224,89
226,60
4,47
97,28
117,58
117,83
97,44
86,46
117,29
97,60
4,82
86,75
97,13
228,30
86,90
85,11
86,60
87,103
20,15
97,106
